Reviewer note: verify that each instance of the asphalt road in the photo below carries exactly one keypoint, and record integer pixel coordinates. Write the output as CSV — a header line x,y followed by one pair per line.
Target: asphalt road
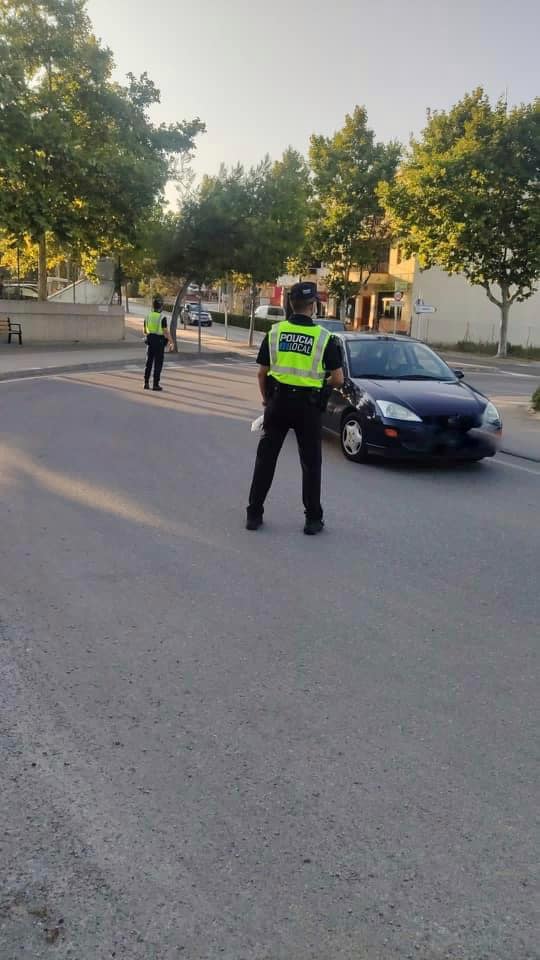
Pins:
x,y
511,392
258,746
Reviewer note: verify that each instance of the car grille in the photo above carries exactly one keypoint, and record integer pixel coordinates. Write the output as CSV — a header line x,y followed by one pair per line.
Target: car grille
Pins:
x,y
461,423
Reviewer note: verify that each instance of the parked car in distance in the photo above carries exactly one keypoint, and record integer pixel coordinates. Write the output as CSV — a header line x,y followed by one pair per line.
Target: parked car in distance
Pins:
x,y
267,312
401,400
19,291
194,316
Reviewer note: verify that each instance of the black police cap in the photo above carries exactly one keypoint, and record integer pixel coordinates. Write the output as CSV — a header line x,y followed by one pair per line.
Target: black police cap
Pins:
x,y
304,291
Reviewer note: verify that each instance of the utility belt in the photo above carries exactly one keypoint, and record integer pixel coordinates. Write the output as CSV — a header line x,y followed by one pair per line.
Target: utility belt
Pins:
x,y
286,390
158,335
313,396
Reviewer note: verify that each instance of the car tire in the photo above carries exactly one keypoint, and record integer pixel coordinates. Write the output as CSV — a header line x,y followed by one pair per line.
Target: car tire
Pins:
x,y
353,438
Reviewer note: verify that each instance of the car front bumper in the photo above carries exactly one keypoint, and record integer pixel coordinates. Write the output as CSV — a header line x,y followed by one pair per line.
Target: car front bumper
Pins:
x,y
420,441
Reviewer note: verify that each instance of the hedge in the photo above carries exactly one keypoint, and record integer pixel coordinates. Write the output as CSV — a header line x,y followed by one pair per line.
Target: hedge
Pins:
x,y
235,319
536,400
490,349
238,320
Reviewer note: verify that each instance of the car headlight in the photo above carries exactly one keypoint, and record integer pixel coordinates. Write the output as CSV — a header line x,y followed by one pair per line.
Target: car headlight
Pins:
x,y
491,415
395,411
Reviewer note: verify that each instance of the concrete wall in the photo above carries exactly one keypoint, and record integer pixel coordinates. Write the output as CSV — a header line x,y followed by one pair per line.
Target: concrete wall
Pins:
x,y
65,323
465,313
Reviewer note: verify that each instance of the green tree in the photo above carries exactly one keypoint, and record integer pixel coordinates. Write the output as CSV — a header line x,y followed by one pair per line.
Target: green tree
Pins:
x,y
273,221
467,198
347,229
79,158
243,222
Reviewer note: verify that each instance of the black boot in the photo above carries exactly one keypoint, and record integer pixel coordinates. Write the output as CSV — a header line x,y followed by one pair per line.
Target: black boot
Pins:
x,y
313,527
253,521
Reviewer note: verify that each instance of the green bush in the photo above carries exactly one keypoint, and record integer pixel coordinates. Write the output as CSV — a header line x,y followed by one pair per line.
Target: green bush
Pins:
x,y
536,400
237,320
469,346
488,349
526,353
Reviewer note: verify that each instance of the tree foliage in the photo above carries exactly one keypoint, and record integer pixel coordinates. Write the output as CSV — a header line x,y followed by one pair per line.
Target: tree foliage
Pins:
x,y
347,227
467,198
79,156
247,222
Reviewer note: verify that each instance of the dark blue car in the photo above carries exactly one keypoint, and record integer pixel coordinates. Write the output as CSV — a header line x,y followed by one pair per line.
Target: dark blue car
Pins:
x,y
400,399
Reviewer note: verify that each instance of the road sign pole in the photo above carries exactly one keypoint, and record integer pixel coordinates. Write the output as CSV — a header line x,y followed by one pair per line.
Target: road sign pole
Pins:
x,y
199,347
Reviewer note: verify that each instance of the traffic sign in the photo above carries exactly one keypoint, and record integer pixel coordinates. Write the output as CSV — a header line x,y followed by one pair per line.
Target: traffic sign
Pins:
x,y
398,296
424,308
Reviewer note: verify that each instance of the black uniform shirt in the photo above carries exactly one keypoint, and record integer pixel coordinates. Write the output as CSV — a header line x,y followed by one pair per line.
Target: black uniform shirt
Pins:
x,y
332,354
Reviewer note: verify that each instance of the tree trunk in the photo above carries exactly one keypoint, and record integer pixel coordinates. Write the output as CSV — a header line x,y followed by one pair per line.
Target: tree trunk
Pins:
x,y
344,296
175,315
42,268
503,331
252,313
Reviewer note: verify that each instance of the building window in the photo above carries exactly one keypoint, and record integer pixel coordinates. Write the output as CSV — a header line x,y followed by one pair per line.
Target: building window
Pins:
x,y
383,263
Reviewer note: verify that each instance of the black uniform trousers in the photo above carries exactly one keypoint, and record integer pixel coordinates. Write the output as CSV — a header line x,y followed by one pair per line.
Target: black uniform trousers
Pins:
x,y
297,410
154,357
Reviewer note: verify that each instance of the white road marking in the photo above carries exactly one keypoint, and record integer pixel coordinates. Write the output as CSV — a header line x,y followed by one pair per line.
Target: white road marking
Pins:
x,y
490,372
515,466
24,379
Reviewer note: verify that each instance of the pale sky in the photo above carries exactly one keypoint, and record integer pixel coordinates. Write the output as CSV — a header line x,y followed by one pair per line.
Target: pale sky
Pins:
x,y
264,75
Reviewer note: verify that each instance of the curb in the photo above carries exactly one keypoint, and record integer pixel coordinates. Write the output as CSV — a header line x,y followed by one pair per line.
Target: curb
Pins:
x,y
518,456
33,373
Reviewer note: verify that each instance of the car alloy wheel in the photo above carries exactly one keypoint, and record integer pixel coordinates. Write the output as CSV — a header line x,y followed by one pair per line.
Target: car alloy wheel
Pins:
x,y
352,439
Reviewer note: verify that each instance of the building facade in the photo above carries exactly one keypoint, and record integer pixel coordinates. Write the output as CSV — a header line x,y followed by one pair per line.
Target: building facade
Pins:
x,y
461,312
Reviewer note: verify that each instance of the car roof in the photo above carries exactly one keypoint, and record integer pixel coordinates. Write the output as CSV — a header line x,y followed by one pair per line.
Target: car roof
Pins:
x,y
394,337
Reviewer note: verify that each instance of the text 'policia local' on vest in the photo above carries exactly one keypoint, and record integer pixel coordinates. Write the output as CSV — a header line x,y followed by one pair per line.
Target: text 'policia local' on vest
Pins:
x,y
296,356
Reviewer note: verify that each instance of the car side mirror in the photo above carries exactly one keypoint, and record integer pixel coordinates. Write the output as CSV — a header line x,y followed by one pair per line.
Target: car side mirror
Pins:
x,y
459,374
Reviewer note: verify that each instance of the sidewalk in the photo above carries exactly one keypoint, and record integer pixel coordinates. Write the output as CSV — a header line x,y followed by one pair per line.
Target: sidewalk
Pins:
x,y
521,430
36,360
237,336
477,362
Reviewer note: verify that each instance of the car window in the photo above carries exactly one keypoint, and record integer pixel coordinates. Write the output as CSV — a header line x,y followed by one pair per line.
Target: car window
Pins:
x,y
395,360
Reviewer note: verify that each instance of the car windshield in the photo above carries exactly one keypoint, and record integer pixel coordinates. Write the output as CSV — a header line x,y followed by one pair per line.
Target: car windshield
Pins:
x,y
395,360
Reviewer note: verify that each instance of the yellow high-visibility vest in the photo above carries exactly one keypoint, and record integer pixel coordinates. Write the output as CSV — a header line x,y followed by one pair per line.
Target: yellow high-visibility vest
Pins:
x,y
296,354
152,324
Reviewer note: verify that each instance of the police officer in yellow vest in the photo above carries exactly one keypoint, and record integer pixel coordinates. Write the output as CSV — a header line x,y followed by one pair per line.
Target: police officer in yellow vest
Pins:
x,y
297,361
157,335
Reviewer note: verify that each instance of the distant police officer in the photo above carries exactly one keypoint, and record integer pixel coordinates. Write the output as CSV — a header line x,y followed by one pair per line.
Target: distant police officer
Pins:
x,y
297,361
155,328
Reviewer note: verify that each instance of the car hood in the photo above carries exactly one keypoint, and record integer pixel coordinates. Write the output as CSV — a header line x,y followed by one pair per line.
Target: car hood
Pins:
x,y
428,398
